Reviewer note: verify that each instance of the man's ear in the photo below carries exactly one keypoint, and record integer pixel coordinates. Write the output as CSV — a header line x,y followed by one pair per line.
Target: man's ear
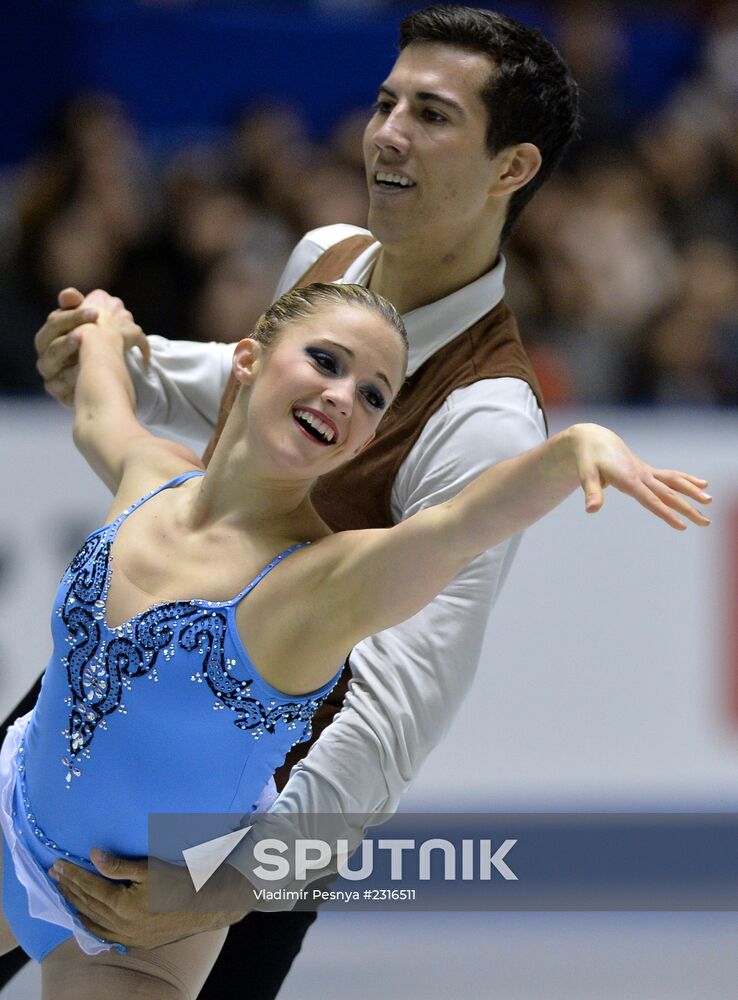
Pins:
x,y
515,166
246,360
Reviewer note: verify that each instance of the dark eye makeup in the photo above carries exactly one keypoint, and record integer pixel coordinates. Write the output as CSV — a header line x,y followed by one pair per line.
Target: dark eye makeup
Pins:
x,y
328,362
374,399
325,360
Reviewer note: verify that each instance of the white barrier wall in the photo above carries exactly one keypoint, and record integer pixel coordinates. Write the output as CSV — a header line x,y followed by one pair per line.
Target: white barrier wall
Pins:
x,y
605,671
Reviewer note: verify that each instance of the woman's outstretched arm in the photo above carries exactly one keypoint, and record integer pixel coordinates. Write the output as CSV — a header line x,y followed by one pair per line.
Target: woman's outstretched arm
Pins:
x,y
106,430
517,493
377,578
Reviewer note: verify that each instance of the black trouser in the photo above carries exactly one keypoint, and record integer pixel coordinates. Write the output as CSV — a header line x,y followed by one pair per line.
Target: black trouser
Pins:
x,y
258,952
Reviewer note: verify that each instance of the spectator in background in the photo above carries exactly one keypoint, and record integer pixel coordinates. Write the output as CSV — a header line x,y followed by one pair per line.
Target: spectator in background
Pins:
x,y
331,193
688,352
696,155
271,156
92,177
81,201
595,261
593,40
602,264
235,292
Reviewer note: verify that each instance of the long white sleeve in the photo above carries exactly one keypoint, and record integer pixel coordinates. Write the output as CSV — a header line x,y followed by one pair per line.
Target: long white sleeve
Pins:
x,y
178,392
408,681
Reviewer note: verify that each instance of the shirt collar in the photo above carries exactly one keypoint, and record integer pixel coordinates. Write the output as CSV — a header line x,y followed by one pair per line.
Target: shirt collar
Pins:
x,y
432,326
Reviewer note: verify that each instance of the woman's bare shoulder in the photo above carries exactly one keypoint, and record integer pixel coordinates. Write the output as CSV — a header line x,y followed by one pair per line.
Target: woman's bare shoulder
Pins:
x,y
155,462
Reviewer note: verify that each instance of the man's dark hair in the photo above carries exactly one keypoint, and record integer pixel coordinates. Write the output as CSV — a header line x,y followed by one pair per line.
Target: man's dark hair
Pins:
x,y
530,95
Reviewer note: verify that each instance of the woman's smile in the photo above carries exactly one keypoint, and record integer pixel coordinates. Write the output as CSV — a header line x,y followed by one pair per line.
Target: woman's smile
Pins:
x,y
332,375
315,425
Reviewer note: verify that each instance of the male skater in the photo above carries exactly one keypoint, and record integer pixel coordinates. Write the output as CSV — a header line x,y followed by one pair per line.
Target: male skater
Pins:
x,y
475,114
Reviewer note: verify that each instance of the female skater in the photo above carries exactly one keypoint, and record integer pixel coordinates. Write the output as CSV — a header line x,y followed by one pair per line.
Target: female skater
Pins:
x,y
151,702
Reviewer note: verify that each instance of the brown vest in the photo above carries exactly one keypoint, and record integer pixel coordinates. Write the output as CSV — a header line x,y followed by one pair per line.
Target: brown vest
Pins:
x,y
357,495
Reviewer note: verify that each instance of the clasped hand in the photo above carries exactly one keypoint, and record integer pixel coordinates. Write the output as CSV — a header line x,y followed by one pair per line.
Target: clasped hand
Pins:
x,y
57,342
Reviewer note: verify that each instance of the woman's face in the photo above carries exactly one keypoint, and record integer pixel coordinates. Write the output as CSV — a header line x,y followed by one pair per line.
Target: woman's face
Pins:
x,y
319,391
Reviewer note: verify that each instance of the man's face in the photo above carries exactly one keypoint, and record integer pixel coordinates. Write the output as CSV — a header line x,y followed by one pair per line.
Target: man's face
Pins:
x,y
427,165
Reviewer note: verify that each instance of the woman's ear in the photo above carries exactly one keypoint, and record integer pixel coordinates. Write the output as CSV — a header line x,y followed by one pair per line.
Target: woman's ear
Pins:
x,y
246,360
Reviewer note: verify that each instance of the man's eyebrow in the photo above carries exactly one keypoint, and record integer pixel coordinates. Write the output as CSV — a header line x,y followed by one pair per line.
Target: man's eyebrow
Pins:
x,y
347,350
426,95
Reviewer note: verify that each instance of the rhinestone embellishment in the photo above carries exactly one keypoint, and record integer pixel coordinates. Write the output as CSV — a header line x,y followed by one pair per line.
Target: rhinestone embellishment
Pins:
x,y
102,663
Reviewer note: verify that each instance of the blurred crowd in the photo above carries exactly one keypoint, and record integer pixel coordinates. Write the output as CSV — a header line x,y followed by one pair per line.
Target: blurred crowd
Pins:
x,y
623,270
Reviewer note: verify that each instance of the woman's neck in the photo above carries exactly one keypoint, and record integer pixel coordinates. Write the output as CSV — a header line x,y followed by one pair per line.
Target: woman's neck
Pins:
x,y
235,491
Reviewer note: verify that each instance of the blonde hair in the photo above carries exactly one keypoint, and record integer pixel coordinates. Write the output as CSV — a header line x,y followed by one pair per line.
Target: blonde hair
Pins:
x,y
303,302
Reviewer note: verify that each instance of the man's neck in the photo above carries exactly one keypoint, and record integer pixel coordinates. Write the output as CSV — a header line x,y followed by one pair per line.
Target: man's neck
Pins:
x,y
411,279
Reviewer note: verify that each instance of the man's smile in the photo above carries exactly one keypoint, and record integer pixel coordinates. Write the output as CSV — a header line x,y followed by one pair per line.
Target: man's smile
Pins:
x,y
388,180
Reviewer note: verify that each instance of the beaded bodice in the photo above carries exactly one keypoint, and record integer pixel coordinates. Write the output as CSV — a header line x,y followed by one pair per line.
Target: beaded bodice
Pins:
x,y
102,662
172,687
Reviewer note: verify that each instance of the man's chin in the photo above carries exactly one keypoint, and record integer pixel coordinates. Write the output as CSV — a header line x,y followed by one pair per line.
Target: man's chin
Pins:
x,y
391,223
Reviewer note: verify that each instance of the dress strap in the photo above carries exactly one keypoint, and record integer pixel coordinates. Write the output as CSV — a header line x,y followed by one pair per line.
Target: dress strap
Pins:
x,y
267,569
177,481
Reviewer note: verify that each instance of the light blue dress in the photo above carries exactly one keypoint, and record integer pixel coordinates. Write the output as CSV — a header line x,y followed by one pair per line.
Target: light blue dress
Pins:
x,y
165,713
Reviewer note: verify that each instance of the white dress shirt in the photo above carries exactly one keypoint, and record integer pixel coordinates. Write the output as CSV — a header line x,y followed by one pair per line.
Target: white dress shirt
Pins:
x,y
409,680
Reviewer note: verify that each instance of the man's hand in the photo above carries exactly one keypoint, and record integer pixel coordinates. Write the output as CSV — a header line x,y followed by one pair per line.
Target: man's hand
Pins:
x,y
120,913
57,342
115,322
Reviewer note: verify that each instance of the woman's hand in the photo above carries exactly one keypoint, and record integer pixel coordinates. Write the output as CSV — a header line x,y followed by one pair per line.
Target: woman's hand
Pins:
x,y
57,342
115,321
603,459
